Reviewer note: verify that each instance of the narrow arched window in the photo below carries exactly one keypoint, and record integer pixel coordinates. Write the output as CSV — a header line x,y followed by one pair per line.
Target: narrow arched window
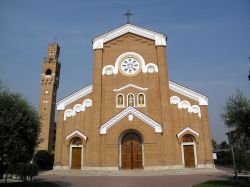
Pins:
x,y
48,72
131,100
141,99
120,101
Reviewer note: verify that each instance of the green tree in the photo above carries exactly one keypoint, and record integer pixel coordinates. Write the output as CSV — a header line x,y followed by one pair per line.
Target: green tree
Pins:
x,y
214,144
236,116
19,129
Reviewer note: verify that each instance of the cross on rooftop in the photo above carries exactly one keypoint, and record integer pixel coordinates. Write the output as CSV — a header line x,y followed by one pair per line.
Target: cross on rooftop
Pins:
x,y
128,14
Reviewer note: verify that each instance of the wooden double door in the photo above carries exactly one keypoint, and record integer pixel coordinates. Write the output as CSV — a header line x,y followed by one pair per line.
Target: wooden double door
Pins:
x,y
131,151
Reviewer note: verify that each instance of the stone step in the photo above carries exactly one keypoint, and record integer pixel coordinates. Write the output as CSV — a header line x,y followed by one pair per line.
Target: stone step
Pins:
x,y
131,172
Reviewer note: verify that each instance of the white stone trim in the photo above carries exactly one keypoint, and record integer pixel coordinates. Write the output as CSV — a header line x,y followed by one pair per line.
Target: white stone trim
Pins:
x,y
73,97
76,132
77,108
60,167
203,100
187,129
175,100
195,153
149,68
160,39
128,86
127,111
92,168
108,70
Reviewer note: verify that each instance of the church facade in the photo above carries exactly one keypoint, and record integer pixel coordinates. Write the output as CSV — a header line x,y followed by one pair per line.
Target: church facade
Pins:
x,y
132,116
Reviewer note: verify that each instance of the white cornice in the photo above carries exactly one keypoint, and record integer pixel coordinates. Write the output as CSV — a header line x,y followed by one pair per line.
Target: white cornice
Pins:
x,y
159,39
187,129
76,132
203,100
133,111
73,97
130,85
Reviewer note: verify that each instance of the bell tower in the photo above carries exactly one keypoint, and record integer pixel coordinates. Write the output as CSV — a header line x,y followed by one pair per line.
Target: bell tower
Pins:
x,y
49,85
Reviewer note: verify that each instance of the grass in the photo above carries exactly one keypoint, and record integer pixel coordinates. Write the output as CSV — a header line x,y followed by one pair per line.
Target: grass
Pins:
x,y
29,184
224,184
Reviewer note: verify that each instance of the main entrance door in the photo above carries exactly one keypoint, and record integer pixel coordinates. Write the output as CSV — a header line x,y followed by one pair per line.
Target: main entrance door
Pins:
x,y
131,148
189,156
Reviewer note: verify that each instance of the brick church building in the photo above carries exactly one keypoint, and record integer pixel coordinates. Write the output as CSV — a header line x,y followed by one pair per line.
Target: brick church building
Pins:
x,y
132,116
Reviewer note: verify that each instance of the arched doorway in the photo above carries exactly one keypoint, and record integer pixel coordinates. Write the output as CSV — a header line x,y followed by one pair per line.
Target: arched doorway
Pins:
x,y
189,151
76,153
131,151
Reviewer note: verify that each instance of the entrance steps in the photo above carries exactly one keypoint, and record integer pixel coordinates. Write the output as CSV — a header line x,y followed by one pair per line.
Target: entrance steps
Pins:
x,y
185,171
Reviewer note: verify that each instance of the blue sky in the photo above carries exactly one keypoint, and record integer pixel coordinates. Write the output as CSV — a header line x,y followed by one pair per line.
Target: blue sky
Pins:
x,y
207,47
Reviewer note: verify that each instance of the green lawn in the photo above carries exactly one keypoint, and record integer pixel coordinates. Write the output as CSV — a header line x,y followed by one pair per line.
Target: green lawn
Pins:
x,y
29,184
224,184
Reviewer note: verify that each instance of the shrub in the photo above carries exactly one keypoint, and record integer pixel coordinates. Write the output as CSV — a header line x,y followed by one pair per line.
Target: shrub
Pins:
x,y
44,159
25,170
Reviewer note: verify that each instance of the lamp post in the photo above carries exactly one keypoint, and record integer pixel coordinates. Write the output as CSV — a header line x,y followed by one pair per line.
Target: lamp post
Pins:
x,y
249,70
232,150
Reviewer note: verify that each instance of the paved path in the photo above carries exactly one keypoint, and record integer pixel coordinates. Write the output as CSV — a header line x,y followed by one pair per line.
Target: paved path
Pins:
x,y
180,178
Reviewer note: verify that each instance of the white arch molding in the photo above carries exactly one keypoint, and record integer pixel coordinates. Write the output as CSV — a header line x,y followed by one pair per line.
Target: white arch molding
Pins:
x,y
77,108
175,100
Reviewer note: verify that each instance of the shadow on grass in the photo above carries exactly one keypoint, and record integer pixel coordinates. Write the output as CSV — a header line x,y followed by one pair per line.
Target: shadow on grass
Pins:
x,y
229,183
37,183
30,184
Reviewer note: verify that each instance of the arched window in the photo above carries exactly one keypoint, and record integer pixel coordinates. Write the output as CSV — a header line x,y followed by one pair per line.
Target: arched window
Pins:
x,y
141,99
188,138
48,72
131,100
120,101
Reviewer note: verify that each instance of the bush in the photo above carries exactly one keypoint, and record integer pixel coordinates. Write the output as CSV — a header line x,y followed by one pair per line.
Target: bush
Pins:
x,y
44,159
26,170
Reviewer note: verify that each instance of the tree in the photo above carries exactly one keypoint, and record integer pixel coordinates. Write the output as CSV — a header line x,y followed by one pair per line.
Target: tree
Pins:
x,y
236,116
214,144
19,129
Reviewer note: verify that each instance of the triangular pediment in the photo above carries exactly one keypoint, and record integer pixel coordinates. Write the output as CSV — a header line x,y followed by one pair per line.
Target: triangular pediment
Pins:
x,y
160,39
187,129
130,110
76,133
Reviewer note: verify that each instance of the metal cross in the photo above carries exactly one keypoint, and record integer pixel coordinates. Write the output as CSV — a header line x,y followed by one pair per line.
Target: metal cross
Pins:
x,y
128,14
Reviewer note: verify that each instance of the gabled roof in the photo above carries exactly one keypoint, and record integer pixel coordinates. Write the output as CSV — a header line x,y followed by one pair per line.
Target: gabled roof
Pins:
x,y
133,111
202,99
73,97
160,39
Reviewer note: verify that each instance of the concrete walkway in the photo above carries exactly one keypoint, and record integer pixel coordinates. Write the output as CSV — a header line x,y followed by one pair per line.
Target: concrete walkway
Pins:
x,y
186,180
134,178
